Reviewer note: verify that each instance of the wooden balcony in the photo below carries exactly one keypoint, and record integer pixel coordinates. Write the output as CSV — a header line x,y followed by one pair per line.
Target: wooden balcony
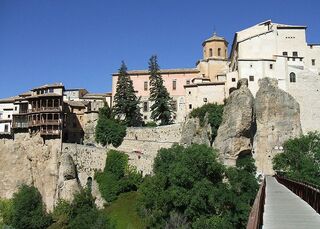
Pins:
x,y
44,109
21,125
44,122
50,132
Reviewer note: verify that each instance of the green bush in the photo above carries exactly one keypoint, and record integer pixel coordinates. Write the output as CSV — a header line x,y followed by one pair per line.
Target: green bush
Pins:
x,y
151,124
5,212
301,158
117,176
28,210
109,130
214,112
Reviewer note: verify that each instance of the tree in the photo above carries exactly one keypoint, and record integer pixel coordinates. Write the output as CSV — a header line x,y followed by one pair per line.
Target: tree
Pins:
x,y
300,158
126,102
161,109
28,210
214,112
109,130
190,188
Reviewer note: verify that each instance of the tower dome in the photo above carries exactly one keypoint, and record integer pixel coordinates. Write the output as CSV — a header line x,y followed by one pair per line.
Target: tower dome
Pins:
x,y
215,47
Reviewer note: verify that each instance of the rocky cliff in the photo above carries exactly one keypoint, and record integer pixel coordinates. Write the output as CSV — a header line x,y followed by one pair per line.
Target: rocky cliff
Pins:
x,y
236,131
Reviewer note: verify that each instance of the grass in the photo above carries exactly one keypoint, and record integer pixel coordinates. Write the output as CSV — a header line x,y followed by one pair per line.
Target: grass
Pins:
x,y
123,212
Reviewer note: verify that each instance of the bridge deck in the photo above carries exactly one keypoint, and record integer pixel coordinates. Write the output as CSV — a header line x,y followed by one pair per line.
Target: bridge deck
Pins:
x,y
283,209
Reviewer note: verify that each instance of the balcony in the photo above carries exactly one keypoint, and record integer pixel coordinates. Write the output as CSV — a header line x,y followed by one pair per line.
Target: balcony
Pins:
x,y
44,109
44,122
17,125
49,132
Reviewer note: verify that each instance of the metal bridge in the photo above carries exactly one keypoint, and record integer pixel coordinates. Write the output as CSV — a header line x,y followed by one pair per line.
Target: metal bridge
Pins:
x,y
285,204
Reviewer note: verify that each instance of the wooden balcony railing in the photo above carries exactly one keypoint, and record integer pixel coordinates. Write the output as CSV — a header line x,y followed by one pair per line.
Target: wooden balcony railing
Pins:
x,y
255,220
20,125
40,109
44,122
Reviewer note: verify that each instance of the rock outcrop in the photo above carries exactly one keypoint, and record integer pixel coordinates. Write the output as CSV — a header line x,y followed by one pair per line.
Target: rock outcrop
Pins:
x,y
277,118
194,133
236,131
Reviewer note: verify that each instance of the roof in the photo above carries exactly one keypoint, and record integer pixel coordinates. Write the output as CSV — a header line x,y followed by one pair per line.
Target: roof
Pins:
x,y
77,103
204,84
53,85
162,71
215,38
9,99
94,95
44,95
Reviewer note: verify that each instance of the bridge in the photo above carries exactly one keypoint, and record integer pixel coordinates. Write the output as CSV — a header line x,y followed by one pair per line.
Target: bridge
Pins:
x,y
282,203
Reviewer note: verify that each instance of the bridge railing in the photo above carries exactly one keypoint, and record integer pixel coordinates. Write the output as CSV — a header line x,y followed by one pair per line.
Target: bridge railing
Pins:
x,y
308,192
255,220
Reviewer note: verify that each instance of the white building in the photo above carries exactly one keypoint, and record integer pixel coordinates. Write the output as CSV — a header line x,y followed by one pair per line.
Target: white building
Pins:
x,y
6,112
280,51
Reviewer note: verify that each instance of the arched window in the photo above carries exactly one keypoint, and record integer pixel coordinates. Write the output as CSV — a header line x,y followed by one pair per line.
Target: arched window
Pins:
x,y
219,51
292,77
210,52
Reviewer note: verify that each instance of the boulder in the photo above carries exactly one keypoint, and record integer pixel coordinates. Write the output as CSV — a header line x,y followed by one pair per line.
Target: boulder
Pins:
x,y
277,116
236,131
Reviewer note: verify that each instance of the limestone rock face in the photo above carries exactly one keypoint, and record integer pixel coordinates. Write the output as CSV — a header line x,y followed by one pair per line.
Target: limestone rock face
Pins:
x,y
90,122
32,161
277,119
236,131
194,133
68,183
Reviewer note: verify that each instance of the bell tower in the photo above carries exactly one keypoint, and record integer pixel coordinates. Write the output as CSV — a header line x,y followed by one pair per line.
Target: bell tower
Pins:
x,y
215,48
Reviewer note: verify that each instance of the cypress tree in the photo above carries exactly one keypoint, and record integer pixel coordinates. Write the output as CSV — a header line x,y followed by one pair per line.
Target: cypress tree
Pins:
x,y
126,102
161,109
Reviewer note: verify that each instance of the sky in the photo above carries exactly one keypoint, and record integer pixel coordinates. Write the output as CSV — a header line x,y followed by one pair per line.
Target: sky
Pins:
x,y
82,42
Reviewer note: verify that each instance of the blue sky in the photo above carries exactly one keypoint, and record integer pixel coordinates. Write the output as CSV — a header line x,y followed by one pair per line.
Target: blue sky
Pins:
x,y
81,42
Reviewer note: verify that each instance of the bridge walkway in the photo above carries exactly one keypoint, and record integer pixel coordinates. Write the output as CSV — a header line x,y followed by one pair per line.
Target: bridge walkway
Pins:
x,y
285,210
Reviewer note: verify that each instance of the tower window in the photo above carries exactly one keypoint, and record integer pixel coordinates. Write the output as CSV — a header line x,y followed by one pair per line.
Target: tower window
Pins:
x,y
251,78
313,62
292,77
145,107
190,106
174,84
294,53
145,85
219,51
210,53
285,53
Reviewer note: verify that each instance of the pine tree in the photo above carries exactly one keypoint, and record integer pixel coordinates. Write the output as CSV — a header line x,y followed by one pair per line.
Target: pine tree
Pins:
x,y
161,109
126,102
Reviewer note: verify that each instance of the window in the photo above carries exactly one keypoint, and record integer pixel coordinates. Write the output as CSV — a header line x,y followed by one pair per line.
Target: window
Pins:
x,y
15,108
51,90
174,84
251,78
219,51
145,85
233,79
210,53
285,53
145,107
174,105
250,65
292,77
187,82
190,106
6,128
205,100
145,117
9,116
313,62
189,92
294,53
271,66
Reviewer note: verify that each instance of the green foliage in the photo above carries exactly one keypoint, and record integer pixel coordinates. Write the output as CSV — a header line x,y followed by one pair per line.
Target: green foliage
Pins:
x,y
82,213
214,112
151,124
189,189
5,212
126,102
301,158
117,177
161,109
28,210
108,130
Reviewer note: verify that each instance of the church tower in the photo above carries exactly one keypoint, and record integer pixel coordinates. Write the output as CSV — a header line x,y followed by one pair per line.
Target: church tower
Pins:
x,y
215,57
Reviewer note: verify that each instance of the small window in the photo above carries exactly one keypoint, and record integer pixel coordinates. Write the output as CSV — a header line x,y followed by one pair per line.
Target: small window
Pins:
x,y
271,66
174,85
174,116
251,78
187,82
285,53
146,85
292,77
233,79
205,100
6,128
294,53
174,105
145,107
250,65
189,92
9,116
210,53
145,117
50,90
219,51
190,106
313,62
15,108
